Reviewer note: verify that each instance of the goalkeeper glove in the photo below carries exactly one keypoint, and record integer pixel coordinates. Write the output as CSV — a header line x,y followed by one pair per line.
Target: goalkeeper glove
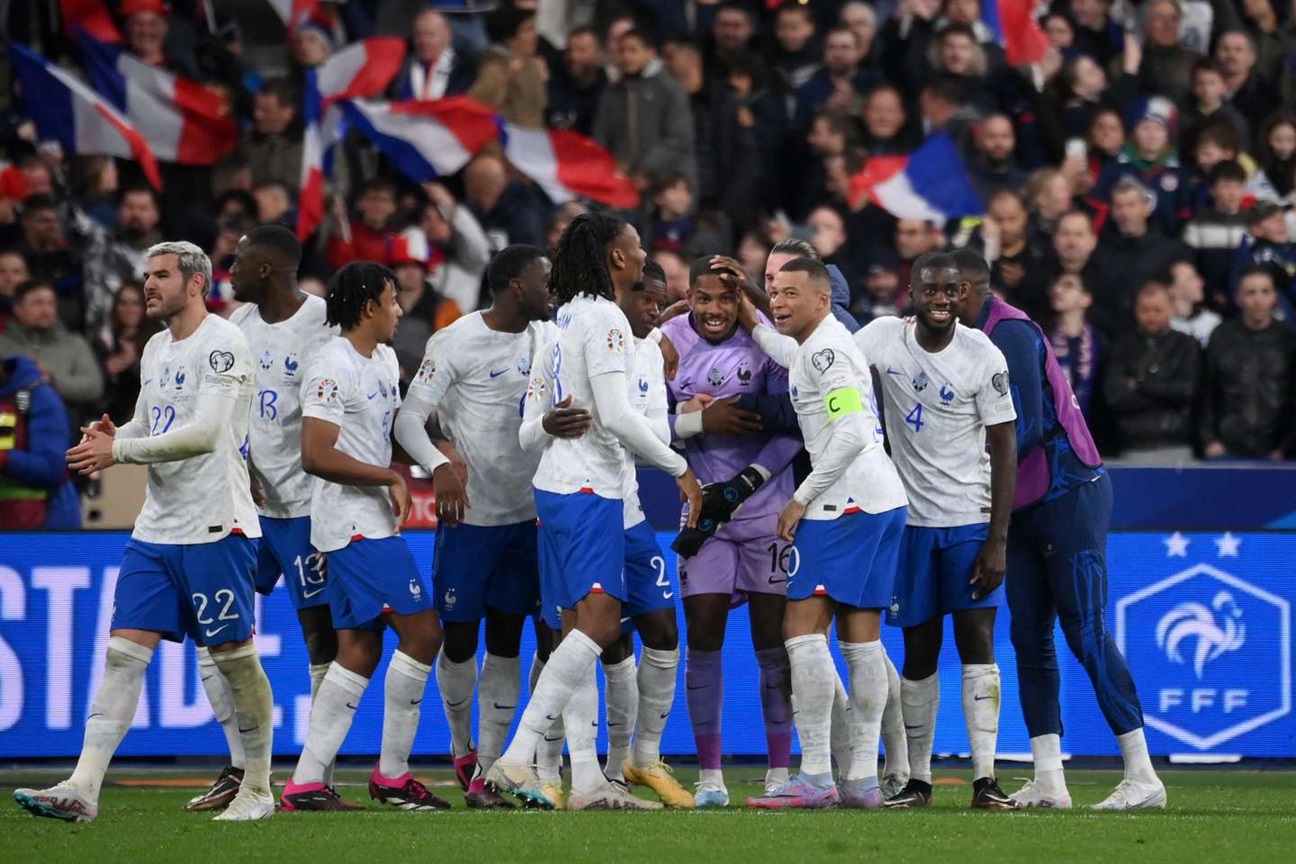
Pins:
x,y
690,540
721,500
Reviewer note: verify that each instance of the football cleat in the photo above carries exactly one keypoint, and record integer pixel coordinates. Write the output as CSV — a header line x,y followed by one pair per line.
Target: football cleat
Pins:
x,y
220,793
711,794
915,794
892,784
611,796
855,795
482,797
660,779
465,768
775,779
1035,794
986,795
404,793
1133,795
249,805
521,782
63,801
554,791
313,796
797,794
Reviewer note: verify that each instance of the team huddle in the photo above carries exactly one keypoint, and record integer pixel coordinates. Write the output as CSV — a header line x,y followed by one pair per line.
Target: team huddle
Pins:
x,y
828,477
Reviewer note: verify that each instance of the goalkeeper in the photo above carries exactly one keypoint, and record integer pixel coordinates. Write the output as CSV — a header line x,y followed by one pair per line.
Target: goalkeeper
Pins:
x,y
736,554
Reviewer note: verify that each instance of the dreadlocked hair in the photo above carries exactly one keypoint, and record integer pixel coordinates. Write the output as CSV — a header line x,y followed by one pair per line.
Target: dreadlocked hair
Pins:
x,y
580,263
351,288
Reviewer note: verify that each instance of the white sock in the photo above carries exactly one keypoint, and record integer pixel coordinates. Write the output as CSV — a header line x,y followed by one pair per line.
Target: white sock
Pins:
x,y
622,691
711,775
867,666
111,712
580,718
222,703
921,700
549,752
1046,750
501,683
981,711
457,683
571,661
253,711
658,671
841,732
404,686
894,741
317,673
331,716
1138,762
812,684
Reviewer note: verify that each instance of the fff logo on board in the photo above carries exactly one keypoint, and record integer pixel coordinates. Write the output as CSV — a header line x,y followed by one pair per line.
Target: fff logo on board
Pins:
x,y
1211,652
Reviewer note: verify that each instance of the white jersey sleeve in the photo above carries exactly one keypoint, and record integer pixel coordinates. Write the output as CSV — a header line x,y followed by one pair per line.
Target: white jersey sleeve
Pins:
x,y
648,398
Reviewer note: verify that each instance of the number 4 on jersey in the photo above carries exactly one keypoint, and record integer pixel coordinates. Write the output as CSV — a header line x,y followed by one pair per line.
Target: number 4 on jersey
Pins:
x,y
914,417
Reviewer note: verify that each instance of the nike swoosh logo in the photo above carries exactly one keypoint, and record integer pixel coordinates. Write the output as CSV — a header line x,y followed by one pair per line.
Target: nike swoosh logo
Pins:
x,y
553,740
457,704
499,707
495,374
243,731
701,687
891,371
306,595
551,718
147,381
211,633
981,698
416,701
664,716
668,595
774,581
352,707
373,395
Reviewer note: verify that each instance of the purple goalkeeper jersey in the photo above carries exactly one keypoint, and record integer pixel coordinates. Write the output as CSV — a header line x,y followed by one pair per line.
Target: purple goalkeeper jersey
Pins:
x,y
735,367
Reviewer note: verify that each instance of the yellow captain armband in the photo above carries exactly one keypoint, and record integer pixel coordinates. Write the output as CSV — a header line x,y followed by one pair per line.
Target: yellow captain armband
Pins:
x,y
844,400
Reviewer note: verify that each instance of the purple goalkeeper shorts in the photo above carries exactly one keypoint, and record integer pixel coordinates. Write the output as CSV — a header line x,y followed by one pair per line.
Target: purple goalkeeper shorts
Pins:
x,y
744,557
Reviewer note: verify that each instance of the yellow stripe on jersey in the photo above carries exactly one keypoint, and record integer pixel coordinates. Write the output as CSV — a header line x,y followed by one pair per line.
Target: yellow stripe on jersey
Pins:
x,y
844,400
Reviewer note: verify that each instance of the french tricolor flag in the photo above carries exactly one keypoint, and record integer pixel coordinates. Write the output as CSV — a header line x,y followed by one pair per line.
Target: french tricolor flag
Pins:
x,y
294,12
66,110
184,121
1015,28
931,183
92,16
425,140
567,165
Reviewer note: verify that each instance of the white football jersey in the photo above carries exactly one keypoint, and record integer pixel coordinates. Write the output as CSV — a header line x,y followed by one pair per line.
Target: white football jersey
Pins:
x,y
937,409
476,379
204,498
281,354
647,383
593,339
829,360
360,395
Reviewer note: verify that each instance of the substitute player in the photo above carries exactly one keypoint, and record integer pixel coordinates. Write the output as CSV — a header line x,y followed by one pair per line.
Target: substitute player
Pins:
x,y
579,484
473,379
945,391
1057,556
743,468
284,327
350,396
190,564
846,518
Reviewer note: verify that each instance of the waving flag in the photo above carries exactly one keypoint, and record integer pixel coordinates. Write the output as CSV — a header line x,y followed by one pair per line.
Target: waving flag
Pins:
x,y
425,140
931,183
1015,28
362,70
66,110
92,16
293,12
567,165
181,119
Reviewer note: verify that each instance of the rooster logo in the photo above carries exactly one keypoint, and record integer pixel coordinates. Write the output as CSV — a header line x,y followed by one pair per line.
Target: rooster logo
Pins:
x,y
1218,630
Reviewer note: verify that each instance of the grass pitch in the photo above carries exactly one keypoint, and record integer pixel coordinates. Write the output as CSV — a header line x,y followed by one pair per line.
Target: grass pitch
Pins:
x,y
1214,815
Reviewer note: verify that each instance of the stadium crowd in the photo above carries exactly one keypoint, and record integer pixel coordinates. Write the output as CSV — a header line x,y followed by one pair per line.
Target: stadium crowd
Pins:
x,y
1137,184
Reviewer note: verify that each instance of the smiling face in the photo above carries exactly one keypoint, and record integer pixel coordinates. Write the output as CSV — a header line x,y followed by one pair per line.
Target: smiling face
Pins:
x,y
715,308
798,303
936,293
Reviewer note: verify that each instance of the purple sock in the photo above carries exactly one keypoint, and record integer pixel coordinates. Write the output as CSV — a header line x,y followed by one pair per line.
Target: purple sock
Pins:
x,y
776,704
705,687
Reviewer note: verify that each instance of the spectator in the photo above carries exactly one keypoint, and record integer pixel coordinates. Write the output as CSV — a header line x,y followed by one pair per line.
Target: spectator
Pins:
x,y
993,166
957,57
731,30
829,239
116,257
459,251
1149,383
510,77
1276,157
1248,92
1191,315
841,81
796,55
914,238
147,25
64,358
1105,141
1262,24
1048,195
371,233
1011,256
885,123
1167,65
119,351
13,272
1207,105
425,310
904,40
1074,340
859,17
1250,372
677,274
1150,158
1215,232
558,222
506,209
51,258
95,182
1061,33
312,45
433,69
661,137
274,203
34,436
576,85
1096,34
273,146
753,249
1270,247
